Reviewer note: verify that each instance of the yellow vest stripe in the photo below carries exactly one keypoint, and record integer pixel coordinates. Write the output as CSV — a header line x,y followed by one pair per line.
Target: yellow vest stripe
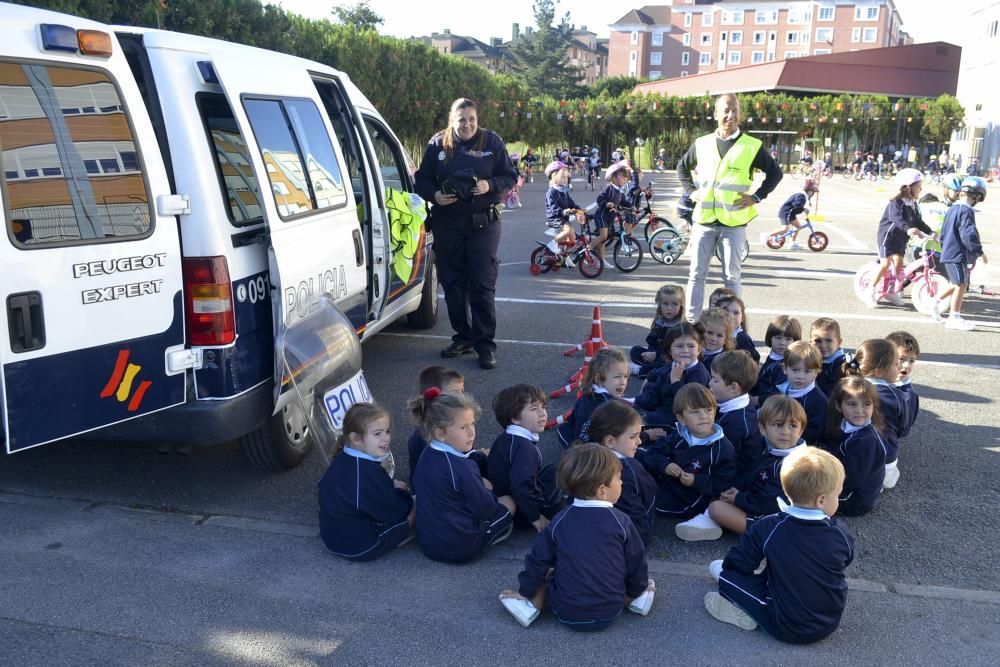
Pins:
x,y
722,180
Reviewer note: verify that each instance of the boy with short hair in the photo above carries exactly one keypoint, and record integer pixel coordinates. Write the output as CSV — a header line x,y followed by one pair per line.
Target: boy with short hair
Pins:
x,y
802,365
589,563
799,596
782,331
960,248
825,335
515,460
908,350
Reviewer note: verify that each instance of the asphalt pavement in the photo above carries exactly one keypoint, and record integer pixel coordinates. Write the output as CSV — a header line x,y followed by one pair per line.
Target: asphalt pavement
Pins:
x,y
118,554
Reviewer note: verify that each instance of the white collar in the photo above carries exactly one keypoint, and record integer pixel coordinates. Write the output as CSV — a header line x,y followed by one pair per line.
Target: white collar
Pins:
x,y
598,389
774,356
807,513
448,449
717,434
580,502
848,427
737,331
358,454
618,454
877,381
731,136
710,353
521,432
833,357
737,403
902,383
786,388
782,453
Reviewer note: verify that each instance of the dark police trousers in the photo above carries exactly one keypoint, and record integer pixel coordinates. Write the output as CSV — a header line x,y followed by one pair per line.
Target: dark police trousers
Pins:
x,y
468,265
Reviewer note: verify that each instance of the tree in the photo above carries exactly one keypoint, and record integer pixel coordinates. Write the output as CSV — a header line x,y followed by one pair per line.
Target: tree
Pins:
x,y
542,55
943,116
360,16
614,86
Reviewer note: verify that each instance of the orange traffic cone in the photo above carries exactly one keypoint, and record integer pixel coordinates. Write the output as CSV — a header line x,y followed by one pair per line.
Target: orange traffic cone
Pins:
x,y
556,421
576,379
596,335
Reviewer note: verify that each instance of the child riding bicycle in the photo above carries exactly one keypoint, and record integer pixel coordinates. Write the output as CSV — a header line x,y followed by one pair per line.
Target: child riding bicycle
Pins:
x,y
559,207
795,211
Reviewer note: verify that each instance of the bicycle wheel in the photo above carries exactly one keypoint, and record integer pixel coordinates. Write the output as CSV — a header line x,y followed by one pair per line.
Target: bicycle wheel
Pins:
x,y
666,245
539,261
873,177
818,241
627,254
590,265
863,281
775,242
653,225
925,292
744,252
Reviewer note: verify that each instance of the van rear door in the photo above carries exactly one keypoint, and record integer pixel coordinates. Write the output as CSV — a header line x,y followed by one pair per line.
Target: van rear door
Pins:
x,y
91,283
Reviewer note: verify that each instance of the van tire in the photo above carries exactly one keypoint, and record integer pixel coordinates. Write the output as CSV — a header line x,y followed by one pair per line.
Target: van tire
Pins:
x,y
282,443
425,316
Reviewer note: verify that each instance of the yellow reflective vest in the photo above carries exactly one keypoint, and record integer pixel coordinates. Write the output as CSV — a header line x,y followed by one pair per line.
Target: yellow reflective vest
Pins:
x,y
723,179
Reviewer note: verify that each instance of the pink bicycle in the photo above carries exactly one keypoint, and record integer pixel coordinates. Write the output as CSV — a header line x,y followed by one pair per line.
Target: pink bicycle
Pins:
x,y
920,274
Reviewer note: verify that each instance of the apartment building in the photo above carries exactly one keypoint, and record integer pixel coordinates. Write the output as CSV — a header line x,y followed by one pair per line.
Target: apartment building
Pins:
x,y
697,36
590,54
977,89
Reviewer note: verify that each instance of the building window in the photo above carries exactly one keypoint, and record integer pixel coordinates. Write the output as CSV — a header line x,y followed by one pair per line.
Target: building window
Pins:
x,y
804,38
736,37
688,19
866,13
991,29
791,38
870,35
735,58
791,54
758,37
634,37
732,18
825,14
685,58
824,34
633,63
821,52
684,73
704,58
765,16
656,58
757,57
657,39
706,19
655,74
706,39
686,40
797,16
855,34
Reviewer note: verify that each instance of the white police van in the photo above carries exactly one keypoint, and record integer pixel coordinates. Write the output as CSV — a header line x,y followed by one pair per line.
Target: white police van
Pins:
x,y
171,202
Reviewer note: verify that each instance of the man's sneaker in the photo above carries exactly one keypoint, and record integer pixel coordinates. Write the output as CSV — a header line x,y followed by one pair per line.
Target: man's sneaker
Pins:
x,y
958,322
715,569
896,299
723,610
891,475
642,604
456,350
796,246
698,529
936,310
522,610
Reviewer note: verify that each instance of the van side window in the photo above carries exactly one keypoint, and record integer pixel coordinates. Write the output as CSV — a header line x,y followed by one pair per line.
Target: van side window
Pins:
x,y
347,136
232,160
301,164
391,161
71,169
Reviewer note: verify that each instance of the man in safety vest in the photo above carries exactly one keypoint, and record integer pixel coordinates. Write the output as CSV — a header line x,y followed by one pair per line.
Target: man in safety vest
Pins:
x,y
724,162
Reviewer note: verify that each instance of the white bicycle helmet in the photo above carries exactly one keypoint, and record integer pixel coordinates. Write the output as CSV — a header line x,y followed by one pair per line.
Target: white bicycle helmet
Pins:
x,y
908,176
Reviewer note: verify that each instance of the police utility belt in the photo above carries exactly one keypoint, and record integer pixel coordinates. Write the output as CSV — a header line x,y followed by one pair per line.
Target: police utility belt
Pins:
x,y
480,221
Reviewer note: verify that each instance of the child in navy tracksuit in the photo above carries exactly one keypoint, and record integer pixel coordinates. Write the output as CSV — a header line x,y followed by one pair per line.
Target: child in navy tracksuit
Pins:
x,y
448,381
800,595
618,427
363,513
610,198
853,437
515,461
876,361
716,327
907,352
960,247
694,463
605,380
781,332
899,222
458,517
802,365
737,311
669,309
682,346
589,563
825,335
559,205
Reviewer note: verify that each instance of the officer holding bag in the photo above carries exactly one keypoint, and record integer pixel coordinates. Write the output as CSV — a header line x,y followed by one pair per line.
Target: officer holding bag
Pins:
x,y
465,171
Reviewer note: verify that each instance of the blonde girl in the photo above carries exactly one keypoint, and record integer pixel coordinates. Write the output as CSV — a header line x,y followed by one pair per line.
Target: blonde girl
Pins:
x,y
605,380
669,310
716,328
738,312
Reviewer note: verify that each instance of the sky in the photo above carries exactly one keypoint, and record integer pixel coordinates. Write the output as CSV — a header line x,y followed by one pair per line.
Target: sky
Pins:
x,y
923,19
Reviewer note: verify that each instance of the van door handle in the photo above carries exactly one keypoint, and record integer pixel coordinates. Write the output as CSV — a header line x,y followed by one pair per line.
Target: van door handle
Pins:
x,y
359,249
27,323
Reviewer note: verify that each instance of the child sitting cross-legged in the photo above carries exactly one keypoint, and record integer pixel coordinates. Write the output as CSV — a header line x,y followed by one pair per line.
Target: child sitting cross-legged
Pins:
x,y
669,309
589,563
448,381
716,328
800,594
781,332
515,460
738,312
682,346
907,352
605,380
802,365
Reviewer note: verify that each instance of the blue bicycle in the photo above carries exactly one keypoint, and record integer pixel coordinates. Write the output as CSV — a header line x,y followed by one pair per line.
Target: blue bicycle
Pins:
x,y
817,240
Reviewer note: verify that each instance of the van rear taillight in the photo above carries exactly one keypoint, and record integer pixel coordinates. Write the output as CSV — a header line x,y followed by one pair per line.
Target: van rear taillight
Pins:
x,y
209,302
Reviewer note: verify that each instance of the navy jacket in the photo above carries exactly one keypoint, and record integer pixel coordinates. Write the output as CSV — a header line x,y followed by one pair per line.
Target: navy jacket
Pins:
x,y
659,392
895,416
489,161
610,193
745,342
713,465
863,454
416,445
456,511
912,401
770,376
707,357
514,464
577,426
638,499
892,228
557,201
761,489
793,207
960,242
806,559
597,556
815,404
654,339
832,372
358,504
743,433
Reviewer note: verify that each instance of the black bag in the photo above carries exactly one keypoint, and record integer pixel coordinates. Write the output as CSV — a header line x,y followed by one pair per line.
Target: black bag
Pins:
x,y
460,184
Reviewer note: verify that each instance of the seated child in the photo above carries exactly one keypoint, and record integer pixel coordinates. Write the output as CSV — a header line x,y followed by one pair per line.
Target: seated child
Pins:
x,y
733,376
781,332
589,563
716,334
876,361
695,463
458,517
737,311
448,381
669,309
515,460
617,426
559,205
825,335
605,380
718,294
363,513
802,365
907,351
853,437
682,346
800,595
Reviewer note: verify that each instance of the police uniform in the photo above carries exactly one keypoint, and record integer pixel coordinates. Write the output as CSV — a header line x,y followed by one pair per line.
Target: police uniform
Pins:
x,y
467,259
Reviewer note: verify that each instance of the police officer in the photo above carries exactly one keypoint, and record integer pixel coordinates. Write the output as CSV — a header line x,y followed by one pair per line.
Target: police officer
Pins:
x,y
725,162
466,171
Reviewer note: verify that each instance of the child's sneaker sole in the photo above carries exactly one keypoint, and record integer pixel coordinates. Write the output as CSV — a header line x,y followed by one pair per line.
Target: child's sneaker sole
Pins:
x,y
690,533
723,610
642,604
522,610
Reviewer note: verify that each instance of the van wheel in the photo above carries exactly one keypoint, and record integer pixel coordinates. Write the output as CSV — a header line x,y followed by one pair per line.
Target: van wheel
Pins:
x,y
425,316
281,443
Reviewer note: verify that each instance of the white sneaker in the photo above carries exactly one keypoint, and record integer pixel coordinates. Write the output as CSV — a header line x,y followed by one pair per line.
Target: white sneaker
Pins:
x,y
633,368
698,529
522,610
891,475
715,569
871,299
958,322
568,261
795,246
723,610
936,311
642,604
896,299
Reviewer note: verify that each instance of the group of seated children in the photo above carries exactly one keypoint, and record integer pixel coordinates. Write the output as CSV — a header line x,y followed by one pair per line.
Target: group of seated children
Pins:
x,y
713,439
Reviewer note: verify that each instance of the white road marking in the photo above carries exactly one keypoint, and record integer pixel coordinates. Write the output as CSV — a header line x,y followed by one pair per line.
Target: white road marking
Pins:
x,y
852,241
